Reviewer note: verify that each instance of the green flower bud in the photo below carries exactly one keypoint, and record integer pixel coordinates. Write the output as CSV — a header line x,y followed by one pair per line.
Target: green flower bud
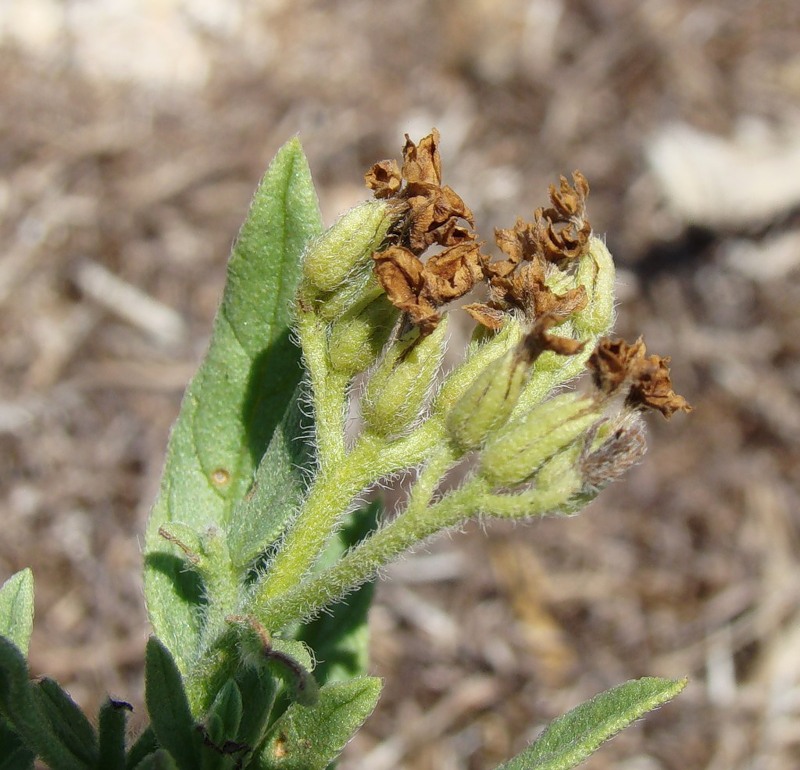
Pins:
x,y
398,388
488,402
358,337
596,274
482,352
356,292
347,246
516,451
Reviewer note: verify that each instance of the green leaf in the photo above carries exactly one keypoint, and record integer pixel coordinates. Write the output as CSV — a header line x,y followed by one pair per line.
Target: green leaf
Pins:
x,y
21,705
261,516
340,636
570,739
311,738
145,745
258,689
238,395
14,755
67,720
221,728
16,609
168,707
159,760
111,729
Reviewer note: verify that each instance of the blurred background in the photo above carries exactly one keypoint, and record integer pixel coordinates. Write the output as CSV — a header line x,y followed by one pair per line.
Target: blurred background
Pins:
x,y
132,135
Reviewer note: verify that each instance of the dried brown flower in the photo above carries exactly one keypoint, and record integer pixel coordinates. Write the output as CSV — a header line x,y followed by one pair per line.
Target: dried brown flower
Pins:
x,y
615,362
419,288
436,215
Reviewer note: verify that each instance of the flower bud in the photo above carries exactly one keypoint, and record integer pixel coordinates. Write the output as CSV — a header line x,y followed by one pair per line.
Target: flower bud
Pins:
x,y
398,388
488,402
347,246
357,338
516,451
596,274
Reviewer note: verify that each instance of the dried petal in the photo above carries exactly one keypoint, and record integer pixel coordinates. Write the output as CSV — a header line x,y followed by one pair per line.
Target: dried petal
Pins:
x,y
453,272
402,275
384,179
422,162
615,362
486,315
539,339
652,387
611,362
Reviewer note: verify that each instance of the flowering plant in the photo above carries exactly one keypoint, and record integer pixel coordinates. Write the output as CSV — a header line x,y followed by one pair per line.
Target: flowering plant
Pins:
x,y
261,548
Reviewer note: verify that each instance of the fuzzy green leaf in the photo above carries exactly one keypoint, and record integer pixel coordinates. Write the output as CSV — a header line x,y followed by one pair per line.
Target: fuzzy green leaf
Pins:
x,y
68,722
20,705
168,707
238,395
311,738
280,481
145,745
14,755
159,760
340,636
570,739
16,609
258,689
111,730
221,728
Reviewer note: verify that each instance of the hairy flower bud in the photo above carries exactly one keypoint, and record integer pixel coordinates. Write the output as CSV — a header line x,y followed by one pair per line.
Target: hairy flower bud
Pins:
x,y
398,388
357,338
347,246
596,274
488,402
516,451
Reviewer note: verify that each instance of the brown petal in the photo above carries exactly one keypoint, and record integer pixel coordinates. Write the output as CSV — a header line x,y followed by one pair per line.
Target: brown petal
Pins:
x,y
422,163
539,339
491,317
453,272
611,362
615,362
652,387
384,179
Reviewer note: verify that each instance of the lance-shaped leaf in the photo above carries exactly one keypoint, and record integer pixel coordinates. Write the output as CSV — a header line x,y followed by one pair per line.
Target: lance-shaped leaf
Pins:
x,y
16,609
68,722
238,395
311,738
111,729
22,708
168,707
14,754
570,739
280,481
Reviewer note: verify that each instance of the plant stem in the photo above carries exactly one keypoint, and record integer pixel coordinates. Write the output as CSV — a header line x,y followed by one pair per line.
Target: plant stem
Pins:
x,y
419,522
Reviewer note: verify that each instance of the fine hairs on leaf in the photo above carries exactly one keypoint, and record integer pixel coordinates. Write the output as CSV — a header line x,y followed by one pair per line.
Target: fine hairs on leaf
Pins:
x,y
262,548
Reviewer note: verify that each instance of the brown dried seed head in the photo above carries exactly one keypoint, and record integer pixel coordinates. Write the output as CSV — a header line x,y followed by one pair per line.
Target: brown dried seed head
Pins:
x,y
615,363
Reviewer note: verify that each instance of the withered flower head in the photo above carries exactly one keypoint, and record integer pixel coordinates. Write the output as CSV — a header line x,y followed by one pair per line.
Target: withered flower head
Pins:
x,y
615,363
624,448
563,230
436,216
